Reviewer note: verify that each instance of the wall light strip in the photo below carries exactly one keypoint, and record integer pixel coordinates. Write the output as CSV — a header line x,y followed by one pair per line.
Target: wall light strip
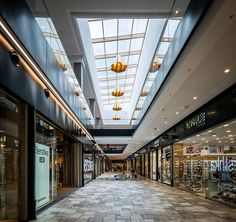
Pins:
x,y
56,96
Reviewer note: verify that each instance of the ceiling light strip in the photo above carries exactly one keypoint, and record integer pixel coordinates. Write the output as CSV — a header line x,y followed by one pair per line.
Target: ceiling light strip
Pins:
x,y
6,30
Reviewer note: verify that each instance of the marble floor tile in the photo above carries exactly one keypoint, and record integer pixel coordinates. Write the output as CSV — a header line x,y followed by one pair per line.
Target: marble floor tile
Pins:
x,y
135,200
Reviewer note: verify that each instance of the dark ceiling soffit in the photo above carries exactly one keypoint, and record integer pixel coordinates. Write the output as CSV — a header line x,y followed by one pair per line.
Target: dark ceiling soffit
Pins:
x,y
196,11
111,132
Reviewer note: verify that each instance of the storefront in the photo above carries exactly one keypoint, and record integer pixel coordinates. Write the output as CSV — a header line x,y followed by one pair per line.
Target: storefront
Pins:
x,y
205,163
11,148
54,161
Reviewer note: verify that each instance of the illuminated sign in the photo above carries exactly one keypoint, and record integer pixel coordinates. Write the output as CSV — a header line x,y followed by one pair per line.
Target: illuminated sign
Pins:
x,y
88,165
196,121
223,164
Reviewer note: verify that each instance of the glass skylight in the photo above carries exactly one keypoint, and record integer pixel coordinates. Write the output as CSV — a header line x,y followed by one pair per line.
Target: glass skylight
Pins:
x,y
112,38
50,33
162,49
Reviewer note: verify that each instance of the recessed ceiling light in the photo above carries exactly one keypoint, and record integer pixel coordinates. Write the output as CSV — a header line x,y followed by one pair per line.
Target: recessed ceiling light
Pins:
x,y
209,131
166,122
214,135
198,135
158,129
230,135
43,26
194,141
176,12
231,138
217,138
202,138
177,113
189,139
194,97
228,131
220,141
231,141
227,70
226,125
206,141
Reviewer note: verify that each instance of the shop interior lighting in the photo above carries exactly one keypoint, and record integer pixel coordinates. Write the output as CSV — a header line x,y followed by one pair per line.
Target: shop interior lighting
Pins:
x,y
194,97
38,75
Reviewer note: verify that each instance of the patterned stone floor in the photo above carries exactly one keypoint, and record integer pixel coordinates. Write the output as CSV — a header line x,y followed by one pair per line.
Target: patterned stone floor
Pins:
x,y
135,200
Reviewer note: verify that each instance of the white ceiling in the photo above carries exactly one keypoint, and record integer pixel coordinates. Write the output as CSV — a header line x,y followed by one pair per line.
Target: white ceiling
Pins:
x,y
198,72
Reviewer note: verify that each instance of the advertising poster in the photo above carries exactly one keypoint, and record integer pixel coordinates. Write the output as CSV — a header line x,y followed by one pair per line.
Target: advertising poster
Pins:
x,y
42,174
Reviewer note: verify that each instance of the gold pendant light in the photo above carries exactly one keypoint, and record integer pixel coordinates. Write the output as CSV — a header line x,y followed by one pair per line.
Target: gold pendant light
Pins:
x,y
117,92
118,67
155,66
117,107
116,117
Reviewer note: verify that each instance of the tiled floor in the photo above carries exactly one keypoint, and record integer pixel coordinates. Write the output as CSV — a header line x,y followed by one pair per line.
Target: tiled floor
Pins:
x,y
108,200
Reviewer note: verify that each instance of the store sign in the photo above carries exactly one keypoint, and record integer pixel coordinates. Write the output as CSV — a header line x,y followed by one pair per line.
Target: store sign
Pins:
x,y
197,121
88,165
223,164
41,174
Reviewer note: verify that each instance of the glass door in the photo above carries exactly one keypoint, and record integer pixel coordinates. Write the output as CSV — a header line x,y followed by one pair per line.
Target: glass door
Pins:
x,y
9,157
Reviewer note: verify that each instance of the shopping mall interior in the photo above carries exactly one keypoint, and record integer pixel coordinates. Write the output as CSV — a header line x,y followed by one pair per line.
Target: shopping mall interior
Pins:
x,y
118,111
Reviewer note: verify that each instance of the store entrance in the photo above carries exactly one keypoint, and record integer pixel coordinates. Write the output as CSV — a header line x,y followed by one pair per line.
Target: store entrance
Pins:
x,y
63,165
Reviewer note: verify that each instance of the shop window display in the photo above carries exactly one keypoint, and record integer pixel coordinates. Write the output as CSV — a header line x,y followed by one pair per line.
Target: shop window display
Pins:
x,y
166,165
88,165
206,164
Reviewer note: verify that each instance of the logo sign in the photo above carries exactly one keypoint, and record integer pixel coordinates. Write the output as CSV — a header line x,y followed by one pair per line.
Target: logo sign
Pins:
x,y
223,164
196,121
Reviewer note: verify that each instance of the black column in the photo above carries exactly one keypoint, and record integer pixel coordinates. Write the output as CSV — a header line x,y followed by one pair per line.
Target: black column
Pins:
x,y
31,163
82,164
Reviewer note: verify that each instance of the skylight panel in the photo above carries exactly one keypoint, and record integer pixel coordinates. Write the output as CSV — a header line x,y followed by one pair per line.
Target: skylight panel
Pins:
x,y
171,28
102,84
133,59
163,48
110,61
98,49
128,88
136,44
110,27
123,46
100,63
111,47
129,80
96,29
103,91
131,71
111,83
111,74
102,74
139,26
53,43
43,23
124,59
125,26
